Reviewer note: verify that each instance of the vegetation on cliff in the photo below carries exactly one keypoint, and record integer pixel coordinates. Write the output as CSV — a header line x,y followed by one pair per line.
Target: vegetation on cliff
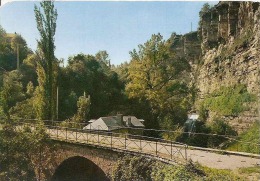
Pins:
x,y
228,101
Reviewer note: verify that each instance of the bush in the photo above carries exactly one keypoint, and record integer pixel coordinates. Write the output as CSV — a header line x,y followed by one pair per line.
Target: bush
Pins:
x,y
169,122
248,141
197,139
141,168
133,168
24,152
203,112
228,100
219,127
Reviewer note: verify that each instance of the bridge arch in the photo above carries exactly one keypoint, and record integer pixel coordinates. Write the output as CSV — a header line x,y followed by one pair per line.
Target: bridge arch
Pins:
x,y
78,168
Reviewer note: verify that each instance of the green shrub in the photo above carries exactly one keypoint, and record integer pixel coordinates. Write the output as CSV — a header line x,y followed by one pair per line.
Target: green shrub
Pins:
x,y
203,112
194,139
144,169
219,127
169,122
248,141
217,174
228,100
133,168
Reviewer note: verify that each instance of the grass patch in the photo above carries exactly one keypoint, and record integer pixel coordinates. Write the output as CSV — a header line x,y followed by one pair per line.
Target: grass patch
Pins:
x,y
249,170
220,174
252,137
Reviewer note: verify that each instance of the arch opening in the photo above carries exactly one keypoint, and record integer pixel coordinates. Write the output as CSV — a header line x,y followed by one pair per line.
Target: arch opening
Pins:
x,y
78,169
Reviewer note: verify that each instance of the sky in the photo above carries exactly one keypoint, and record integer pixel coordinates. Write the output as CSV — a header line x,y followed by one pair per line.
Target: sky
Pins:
x,y
116,26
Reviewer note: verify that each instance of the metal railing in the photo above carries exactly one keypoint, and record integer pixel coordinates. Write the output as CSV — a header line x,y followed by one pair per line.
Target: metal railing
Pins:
x,y
169,133
130,132
140,144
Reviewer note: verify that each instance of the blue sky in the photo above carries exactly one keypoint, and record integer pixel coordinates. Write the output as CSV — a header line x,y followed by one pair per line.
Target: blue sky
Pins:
x,y
117,27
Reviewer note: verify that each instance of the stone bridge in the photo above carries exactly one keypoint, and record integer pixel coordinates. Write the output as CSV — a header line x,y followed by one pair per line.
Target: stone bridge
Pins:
x,y
92,154
82,162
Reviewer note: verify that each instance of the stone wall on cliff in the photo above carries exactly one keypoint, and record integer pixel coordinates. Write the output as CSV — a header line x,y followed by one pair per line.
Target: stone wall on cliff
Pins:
x,y
230,48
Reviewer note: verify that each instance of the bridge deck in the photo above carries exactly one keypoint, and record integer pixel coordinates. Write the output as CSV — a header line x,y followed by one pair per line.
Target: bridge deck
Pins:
x,y
172,151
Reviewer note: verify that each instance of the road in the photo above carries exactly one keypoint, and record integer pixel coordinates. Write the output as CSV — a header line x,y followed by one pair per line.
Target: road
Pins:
x,y
170,151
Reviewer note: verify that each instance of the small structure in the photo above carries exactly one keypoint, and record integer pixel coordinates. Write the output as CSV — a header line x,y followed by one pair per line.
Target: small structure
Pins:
x,y
193,116
114,123
189,125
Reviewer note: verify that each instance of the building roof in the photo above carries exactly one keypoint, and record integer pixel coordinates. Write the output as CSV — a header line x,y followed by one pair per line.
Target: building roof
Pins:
x,y
97,125
134,121
113,123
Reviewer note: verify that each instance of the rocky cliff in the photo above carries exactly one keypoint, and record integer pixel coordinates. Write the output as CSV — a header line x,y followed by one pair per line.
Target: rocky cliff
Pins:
x,y
231,55
225,53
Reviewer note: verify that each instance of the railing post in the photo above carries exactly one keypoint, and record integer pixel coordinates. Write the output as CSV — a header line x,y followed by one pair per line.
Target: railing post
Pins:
x,y
57,132
140,145
186,146
87,135
66,132
125,141
98,134
171,149
156,147
76,134
111,140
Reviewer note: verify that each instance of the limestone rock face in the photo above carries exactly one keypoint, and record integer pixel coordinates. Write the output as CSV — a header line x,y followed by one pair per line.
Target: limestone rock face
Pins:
x,y
231,53
186,46
225,20
225,51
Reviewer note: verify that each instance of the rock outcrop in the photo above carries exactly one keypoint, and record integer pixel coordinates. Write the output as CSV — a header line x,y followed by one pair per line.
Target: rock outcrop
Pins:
x,y
231,54
224,52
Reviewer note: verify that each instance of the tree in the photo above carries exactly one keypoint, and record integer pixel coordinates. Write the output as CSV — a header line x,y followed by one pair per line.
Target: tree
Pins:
x,y
8,49
7,55
156,76
103,56
12,91
19,46
83,108
83,105
26,154
46,25
85,73
205,8
122,71
29,70
2,39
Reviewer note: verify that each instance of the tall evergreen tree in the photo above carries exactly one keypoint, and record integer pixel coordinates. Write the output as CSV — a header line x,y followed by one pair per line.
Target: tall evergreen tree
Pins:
x,y
46,24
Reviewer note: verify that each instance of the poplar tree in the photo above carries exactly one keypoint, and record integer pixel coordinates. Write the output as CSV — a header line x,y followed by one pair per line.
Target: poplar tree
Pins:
x,y
46,17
